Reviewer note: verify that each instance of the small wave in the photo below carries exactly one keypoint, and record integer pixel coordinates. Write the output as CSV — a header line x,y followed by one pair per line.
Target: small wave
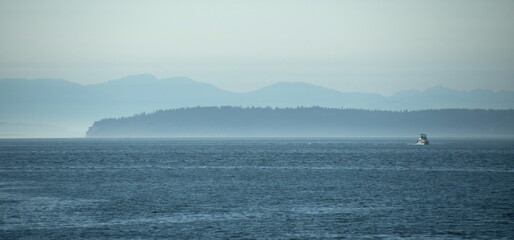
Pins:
x,y
74,222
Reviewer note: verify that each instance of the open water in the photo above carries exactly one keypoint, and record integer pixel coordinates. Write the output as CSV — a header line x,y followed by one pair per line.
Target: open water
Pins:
x,y
256,189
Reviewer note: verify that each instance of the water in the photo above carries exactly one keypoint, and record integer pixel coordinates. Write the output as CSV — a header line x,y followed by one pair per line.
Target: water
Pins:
x,y
256,189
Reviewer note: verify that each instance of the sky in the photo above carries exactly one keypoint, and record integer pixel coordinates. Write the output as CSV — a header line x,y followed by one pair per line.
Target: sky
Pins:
x,y
242,45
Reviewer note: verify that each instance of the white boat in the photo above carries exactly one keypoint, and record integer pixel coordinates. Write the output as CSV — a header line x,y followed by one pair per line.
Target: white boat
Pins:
x,y
422,140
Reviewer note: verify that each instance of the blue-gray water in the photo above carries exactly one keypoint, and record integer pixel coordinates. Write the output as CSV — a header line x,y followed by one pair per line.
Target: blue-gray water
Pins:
x,y
256,189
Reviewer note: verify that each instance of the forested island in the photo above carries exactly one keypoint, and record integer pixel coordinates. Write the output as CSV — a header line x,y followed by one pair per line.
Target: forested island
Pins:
x,y
305,122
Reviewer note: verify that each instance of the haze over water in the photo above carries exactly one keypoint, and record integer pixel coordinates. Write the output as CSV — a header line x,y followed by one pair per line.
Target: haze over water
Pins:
x,y
351,46
67,66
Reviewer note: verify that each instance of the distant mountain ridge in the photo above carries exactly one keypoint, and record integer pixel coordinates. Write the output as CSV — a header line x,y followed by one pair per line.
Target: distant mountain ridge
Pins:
x,y
176,92
66,104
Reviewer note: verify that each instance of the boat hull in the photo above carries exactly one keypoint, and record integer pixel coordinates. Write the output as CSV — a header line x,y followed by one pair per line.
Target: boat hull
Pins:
x,y
422,140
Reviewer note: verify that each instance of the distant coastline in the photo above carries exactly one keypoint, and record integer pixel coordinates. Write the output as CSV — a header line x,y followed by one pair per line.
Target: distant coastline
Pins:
x,y
304,122
59,108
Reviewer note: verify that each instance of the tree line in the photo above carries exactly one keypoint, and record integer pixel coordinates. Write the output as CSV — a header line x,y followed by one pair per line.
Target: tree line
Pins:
x,y
229,121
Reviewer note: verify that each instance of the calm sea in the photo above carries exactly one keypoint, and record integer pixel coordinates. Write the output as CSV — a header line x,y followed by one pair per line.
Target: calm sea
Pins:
x,y
256,189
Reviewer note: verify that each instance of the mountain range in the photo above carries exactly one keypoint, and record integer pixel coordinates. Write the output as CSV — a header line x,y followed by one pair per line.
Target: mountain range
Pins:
x,y
60,104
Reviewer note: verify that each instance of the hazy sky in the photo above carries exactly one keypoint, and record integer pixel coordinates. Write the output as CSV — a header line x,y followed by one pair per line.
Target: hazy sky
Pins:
x,y
371,46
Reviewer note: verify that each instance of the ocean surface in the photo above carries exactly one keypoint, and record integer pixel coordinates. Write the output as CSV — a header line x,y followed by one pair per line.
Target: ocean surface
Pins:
x,y
256,189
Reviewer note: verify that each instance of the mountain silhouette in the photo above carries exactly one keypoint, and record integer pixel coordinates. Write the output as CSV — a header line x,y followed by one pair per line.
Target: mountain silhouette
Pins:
x,y
73,106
